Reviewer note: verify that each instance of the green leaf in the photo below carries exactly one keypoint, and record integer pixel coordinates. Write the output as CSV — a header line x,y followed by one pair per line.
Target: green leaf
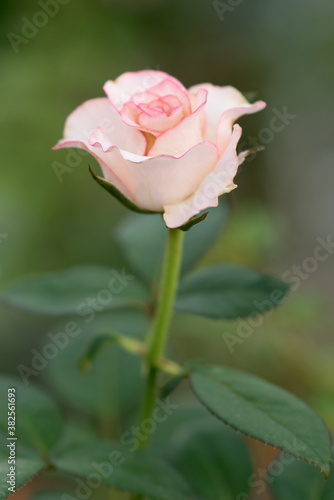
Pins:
x,y
138,473
76,433
111,189
70,291
214,460
263,411
229,292
25,469
38,419
212,457
142,241
113,384
298,481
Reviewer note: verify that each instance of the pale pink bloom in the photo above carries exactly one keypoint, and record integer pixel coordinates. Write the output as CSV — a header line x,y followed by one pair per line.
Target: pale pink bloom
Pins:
x,y
166,148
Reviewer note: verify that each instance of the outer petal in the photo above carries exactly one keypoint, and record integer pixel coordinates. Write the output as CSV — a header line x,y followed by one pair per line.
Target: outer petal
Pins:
x,y
121,182
161,180
229,117
168,180
99,139
120,91
224,105
219,181
98,114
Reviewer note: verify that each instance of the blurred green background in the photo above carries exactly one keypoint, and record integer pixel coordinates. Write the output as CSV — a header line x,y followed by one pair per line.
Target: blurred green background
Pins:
x,y
281,52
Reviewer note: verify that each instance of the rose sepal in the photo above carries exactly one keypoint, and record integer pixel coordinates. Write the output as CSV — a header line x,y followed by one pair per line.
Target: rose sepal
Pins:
x,y
191,222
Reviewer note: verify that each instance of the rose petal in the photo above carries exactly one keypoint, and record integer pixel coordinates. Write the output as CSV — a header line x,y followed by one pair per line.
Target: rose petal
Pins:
x,y
229,117
219,100
100,114
160,122
125,86
219,181
197,99
135,116
165,180
130,114
122,183
162,180
171,86
181,138
100,140
230,103
144,97
188,133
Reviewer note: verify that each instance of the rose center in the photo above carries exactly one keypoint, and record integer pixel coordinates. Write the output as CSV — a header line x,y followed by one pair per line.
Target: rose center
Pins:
x,y
154,113
163,105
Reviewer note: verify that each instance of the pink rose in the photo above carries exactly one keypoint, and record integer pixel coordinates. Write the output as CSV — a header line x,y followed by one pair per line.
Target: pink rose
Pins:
x,y
163,147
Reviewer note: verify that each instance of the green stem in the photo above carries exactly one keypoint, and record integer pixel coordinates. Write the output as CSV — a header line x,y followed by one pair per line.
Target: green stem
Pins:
x,y
158,334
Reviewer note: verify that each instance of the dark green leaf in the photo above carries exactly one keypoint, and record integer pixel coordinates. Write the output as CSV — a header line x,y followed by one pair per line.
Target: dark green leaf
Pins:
x,y
70,291
118,195
74,434
142,240
113,384
138,473
212,457
298,481
263,411
38,419
214,460
229,292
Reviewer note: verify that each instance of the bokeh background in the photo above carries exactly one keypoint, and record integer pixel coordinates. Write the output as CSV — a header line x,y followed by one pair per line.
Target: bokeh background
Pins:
x,y
281,52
